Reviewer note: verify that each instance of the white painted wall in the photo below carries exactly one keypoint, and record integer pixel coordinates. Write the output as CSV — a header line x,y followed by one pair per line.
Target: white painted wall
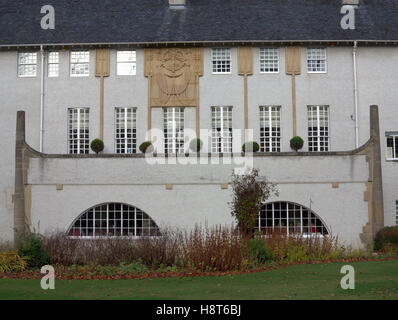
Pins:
x,y
377,85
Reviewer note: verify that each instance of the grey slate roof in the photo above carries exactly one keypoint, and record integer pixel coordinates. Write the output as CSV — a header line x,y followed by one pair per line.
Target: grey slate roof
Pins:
x,y
152,21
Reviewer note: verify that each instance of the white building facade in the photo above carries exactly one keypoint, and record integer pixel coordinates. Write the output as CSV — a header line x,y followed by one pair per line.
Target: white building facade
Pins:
x,y
343,182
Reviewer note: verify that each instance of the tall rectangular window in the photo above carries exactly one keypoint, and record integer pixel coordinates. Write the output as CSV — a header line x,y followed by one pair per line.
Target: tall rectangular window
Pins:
x,y
125,130
269,60
27,64
270,128
80,63
318,128
221,134
396,212
53,64
392,146
316,60
78,137
173,120
221,58
126,63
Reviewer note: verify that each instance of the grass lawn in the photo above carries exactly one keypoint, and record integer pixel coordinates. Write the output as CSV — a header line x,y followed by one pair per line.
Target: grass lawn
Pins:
x,y
374,280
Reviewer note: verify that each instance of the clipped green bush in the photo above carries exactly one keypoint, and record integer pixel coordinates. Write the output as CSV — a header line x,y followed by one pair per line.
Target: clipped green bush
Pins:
x,y
251,146
97,145
146,147
32,250
386,237
196,145
296,143
10,261
258,251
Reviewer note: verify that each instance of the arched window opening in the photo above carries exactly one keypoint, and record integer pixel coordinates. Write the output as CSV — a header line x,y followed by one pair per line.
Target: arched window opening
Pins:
x,y
113,220
289,218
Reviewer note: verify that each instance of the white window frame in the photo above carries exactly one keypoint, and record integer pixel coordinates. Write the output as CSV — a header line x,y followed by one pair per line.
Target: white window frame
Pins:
x,y
216,58
264,61
394,153
396,212
318,135
321,59
221,141
127,226
82,114
33,63
126,141
133,62
175,143
84,62
51,63
267,112
297,220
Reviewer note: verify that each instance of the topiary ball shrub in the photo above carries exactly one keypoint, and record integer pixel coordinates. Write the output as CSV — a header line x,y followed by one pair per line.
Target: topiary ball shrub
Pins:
x,y
97,145
251,146
296,143
196,145
146,147
387,236
32,249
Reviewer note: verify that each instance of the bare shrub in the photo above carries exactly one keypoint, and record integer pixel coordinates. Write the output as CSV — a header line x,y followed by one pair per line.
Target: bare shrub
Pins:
x,y
203,249
300,248
214,249
153,251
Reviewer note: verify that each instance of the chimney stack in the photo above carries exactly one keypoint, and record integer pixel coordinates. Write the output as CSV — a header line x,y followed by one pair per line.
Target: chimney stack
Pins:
x,y
177,4
351,2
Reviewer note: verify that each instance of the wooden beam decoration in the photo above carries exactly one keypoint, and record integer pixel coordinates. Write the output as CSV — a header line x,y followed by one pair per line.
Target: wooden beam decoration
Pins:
x,y
102,69
293,68
245,69
173,78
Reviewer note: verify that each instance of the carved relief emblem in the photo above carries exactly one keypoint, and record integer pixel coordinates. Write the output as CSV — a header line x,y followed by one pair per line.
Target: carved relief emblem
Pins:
x,y
174,76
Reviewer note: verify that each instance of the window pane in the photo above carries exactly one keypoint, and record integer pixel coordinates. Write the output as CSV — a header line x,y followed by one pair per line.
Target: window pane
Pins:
x,y
316,59
113,219
125,130
270,129
221,137
173,126
53,64
221,58
289,218
78,135
318,128
27,64
269,60
80,63
126,63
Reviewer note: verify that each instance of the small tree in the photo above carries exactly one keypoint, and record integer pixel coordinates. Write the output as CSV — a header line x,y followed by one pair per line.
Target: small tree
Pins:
x,y
251,146
146,147
250,191
196,145
296,143
97,145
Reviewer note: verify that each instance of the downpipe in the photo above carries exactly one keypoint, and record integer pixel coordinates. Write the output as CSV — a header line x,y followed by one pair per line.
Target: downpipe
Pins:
x,y
42,98
354,57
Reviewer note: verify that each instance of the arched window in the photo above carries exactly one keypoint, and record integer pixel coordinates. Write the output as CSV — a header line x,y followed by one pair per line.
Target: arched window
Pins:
x,y
289,218
113,220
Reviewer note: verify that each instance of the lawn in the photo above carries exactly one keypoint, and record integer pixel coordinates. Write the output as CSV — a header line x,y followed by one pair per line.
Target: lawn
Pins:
x,y
374,280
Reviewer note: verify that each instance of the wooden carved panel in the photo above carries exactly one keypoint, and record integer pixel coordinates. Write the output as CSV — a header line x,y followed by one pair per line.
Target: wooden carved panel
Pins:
x,y
293,60
174,76
102,63
245,60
